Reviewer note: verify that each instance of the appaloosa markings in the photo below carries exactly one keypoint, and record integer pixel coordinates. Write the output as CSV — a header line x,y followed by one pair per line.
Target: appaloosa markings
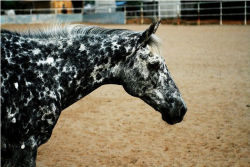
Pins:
x,y
45,72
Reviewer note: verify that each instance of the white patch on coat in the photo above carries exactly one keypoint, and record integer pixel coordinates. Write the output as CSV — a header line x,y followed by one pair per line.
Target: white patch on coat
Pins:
x,y
22,146
52,95
19,43
28,83
82,47
33,141
13,120
61,45
69,42
95,71
29,99
9,116
16,85
50,121
36,51
49,60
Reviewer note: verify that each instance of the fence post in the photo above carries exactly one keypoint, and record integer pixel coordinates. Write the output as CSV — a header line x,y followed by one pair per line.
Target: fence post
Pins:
x,y
178,14
125,15
155,17
220,13
245,20
141,13
198,10
159,12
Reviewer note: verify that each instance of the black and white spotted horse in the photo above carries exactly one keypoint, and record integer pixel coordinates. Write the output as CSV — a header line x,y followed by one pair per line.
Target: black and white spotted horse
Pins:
x,y
44,72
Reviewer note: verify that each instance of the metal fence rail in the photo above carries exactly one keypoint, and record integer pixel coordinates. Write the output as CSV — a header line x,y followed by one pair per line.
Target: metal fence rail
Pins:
x,y
197,12
164,10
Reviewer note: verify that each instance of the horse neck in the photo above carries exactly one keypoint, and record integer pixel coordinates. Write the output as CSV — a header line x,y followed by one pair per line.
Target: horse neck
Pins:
x,y
84,64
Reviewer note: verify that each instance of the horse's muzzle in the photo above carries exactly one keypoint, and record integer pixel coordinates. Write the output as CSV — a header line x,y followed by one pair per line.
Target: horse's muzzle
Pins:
x,y
175,117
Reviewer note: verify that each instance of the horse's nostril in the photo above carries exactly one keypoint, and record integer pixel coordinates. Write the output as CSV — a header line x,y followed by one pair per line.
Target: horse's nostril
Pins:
x,y
183,111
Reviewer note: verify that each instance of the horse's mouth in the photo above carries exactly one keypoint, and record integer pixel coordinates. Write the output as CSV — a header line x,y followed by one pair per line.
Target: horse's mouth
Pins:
x,y
171,121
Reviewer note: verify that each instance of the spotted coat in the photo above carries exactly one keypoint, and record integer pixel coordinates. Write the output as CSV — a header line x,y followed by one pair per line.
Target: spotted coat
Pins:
x,y
43,73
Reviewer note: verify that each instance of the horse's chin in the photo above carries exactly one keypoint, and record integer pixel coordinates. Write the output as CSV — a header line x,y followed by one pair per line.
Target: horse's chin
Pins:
x,y
168,120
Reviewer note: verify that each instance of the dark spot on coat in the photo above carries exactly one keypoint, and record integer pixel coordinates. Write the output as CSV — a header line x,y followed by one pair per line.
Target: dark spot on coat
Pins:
x,y
98,76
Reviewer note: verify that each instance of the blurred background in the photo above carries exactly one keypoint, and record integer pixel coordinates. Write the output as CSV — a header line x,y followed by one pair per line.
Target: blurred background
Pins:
x,y
126,12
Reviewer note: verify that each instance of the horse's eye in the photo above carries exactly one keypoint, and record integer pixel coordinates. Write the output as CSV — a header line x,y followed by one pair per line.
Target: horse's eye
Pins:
x,y
154,66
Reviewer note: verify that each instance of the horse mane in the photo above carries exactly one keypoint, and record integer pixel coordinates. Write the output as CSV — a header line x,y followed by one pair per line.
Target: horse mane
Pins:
x,y
58,31
69,31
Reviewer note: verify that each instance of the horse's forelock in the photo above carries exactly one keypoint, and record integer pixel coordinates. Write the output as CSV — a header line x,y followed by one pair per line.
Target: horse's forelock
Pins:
x,y
155,44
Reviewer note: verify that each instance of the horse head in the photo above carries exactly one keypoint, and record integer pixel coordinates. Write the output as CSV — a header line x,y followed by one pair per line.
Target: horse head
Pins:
x,y
145,75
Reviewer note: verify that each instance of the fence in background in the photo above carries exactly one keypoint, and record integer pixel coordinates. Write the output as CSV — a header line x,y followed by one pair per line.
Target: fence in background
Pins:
x,y
41,18
197,12
175,11
105,18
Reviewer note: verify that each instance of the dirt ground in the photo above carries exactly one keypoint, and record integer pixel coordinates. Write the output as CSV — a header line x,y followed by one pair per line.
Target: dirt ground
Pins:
x,y
109,128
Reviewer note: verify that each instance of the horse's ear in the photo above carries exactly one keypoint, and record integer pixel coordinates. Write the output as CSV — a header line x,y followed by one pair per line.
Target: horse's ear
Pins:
x,y
147,33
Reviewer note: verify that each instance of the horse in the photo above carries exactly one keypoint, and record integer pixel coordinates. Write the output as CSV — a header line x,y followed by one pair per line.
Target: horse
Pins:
x,y
45,71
